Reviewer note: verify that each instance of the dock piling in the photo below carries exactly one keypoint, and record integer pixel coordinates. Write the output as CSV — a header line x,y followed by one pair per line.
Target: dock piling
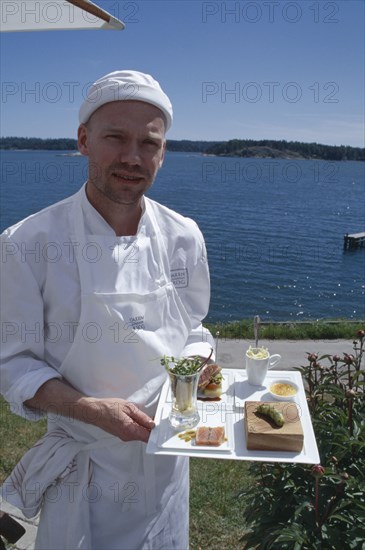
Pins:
x,y
355,240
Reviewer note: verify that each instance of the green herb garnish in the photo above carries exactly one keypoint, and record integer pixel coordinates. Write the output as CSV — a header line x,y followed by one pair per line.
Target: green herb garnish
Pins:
x,y
182,367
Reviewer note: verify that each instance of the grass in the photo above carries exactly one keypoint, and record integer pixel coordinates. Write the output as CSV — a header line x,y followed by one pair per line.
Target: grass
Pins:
x,y
17,436
216,508
297,330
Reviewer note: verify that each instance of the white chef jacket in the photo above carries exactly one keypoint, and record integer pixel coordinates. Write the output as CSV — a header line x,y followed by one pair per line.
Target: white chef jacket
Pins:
x,y
40,291
41,299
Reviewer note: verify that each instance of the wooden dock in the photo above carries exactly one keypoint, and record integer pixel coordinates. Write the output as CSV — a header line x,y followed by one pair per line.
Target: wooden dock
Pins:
x,y
356,240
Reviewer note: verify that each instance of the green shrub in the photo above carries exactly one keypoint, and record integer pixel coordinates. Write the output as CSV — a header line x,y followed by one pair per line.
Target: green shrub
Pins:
x,y
296,507
321,329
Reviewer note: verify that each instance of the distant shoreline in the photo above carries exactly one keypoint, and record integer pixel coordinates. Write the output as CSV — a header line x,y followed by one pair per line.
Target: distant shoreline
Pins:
x,y
237,148
73,153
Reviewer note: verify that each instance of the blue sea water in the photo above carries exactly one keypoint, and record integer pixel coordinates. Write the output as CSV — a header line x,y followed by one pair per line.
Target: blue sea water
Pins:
x,y
274,228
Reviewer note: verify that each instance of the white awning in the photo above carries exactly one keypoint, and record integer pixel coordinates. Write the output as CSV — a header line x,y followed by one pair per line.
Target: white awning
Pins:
x,y
49,15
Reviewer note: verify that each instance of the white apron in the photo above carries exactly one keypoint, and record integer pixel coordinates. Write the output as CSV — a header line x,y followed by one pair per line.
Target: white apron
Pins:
x,y
114,495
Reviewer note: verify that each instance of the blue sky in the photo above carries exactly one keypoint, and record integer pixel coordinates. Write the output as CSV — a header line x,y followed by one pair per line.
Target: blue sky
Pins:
x,y
251,69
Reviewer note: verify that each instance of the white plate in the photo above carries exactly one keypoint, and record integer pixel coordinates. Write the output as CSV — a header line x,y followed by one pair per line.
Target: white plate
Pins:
x,y
212,414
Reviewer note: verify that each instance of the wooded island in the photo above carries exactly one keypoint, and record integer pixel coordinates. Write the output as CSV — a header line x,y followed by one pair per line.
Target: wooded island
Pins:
x,y
247,148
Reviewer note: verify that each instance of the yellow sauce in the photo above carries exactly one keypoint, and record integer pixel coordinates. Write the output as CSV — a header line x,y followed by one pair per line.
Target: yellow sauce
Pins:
x,y
187,436
283,389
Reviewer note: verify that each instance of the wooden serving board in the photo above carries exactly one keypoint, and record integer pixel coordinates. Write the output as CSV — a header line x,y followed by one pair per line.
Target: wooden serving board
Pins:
x,y
263,435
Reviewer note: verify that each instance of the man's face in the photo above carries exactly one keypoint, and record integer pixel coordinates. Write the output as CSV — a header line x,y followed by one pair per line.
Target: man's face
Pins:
x,y
125,143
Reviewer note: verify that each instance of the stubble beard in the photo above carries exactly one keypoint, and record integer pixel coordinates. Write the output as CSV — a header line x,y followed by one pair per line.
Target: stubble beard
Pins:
x,y
120,193
124,196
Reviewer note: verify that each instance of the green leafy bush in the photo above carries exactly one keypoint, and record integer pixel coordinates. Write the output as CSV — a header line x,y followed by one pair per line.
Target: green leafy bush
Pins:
x,y
296,507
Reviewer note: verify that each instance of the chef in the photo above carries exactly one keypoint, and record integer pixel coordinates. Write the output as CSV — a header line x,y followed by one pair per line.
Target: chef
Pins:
x,y
96,289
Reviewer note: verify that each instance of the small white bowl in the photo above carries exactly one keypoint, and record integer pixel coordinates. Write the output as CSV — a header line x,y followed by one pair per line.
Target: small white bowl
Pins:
x,y
284,397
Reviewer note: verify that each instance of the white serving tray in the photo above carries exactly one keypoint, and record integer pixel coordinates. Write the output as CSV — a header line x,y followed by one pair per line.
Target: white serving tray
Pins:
x,y
229,412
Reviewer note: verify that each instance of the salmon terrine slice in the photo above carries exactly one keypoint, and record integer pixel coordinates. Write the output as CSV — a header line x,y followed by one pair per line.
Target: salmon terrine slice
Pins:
x,y
209,436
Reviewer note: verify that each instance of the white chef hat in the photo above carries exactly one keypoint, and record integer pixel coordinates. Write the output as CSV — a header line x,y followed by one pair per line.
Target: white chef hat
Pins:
x,y
125,85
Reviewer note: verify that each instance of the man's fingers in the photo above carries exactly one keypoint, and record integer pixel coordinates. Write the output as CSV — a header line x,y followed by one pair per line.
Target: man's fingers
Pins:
x,y
137,427
140,417
124,420
136,432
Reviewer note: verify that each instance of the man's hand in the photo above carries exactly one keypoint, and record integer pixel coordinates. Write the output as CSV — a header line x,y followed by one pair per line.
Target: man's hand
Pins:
x,y
116,416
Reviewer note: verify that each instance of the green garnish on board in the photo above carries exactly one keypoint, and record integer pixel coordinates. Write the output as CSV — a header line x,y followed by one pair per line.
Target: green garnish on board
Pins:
x,y
271,412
